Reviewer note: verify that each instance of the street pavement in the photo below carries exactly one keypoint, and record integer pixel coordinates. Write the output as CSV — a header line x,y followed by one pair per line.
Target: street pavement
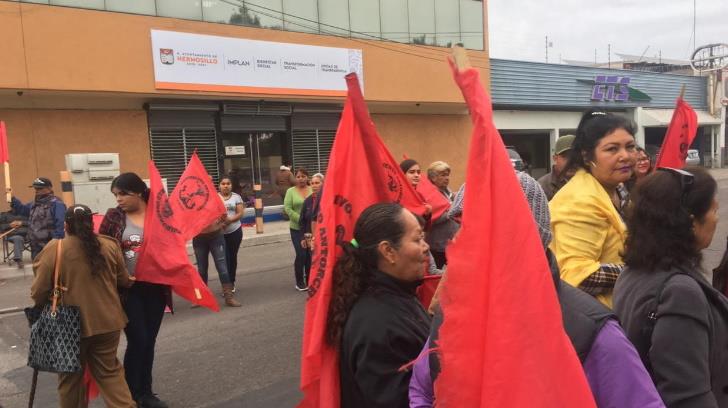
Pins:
x,y
240,357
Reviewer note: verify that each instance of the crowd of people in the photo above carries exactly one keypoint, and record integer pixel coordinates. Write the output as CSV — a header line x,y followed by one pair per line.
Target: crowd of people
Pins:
x,y
624,243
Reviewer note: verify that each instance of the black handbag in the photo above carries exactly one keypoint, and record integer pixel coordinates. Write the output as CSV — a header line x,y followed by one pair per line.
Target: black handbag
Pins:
x,y
55,336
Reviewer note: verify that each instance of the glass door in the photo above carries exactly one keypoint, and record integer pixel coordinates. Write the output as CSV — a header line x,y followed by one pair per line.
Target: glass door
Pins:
x,y
255,158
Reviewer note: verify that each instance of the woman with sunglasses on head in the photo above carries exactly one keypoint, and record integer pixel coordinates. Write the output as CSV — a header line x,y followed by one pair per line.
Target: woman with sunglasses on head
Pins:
x,y
677,321
586,214
642,168
144,303
92,270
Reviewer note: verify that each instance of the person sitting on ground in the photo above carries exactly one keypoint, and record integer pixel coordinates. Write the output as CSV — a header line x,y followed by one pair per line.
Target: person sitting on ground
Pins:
x,y
375,319
45,215
557,177
17,228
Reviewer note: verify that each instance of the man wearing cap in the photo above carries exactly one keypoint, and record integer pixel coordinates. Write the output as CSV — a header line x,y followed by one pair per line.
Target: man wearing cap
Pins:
x,y
45,215
554,180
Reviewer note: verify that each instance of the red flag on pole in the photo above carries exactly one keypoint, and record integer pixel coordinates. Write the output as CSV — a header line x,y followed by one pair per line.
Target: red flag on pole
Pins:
x,y
4,154
679,136
502,342
167,227
432,195
361,172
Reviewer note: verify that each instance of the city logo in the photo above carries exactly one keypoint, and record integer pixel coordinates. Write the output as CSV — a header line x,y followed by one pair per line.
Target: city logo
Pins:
x,y
614,88
166,55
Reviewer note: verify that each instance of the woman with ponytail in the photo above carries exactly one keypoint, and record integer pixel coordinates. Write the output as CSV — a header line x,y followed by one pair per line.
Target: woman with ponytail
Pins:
x,y
144,303
587,213
375,319
91,269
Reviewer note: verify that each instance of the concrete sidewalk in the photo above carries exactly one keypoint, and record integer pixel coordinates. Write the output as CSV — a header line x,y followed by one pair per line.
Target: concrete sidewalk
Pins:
x,y
275,231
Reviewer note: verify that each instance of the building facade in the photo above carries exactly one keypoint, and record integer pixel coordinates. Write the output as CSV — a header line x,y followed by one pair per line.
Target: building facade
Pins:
x,y
535,103
154,79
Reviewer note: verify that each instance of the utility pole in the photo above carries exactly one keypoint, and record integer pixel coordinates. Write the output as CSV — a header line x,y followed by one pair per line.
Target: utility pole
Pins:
x,y
609,55
547,49
595,56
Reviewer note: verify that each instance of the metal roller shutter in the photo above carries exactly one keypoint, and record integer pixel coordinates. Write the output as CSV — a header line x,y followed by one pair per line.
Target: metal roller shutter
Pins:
x,y
172,148
312,148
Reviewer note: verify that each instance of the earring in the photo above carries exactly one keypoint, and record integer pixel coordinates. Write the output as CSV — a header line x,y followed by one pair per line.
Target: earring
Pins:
x,y
591,163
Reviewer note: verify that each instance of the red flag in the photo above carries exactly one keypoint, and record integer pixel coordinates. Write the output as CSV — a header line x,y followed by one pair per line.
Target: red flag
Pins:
x,y
4,153
679,136
502,342
433,197
361,172
163,254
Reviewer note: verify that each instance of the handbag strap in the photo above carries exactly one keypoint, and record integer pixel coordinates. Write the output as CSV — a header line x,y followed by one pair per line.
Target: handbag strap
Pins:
x,y
57,288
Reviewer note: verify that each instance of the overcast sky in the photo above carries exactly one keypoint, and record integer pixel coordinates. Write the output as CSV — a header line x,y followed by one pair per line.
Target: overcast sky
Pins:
x,y
517,28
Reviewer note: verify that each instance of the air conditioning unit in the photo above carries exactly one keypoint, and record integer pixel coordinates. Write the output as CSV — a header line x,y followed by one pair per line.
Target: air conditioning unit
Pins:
x,y
91,177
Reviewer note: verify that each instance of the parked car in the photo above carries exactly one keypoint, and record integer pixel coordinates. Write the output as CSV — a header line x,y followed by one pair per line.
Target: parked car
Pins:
x,y
693,158
516,160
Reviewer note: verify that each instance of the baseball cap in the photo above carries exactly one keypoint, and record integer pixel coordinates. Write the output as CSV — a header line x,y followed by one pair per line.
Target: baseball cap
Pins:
x,y
285,168
564,143
41,182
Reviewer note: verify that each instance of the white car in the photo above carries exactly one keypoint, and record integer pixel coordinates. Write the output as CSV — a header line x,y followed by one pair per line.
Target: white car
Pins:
x,y
693,158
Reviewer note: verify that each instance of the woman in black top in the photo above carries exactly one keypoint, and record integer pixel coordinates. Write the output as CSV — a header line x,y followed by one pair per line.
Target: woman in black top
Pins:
x,y
375,319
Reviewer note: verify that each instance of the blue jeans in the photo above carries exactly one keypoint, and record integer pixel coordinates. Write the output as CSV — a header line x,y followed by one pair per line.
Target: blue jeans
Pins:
x,y
215,244
299,265
18,243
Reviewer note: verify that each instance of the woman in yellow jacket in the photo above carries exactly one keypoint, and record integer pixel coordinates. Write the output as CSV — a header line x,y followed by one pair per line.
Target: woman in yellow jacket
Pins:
x,y
586,214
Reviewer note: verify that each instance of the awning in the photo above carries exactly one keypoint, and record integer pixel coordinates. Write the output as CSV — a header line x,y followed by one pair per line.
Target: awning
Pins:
x,y
661,117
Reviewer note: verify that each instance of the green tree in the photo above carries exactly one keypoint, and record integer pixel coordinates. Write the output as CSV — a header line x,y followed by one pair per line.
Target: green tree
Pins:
x,y
245,17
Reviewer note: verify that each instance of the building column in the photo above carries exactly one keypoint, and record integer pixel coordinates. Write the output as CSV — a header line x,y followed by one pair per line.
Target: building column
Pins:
x,y
640,129
552,146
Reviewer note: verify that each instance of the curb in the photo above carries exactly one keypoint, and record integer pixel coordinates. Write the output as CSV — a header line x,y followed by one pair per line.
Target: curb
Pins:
x,y
8,310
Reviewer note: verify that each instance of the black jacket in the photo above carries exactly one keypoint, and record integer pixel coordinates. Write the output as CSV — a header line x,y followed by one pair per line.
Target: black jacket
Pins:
x,y
386,329
686,350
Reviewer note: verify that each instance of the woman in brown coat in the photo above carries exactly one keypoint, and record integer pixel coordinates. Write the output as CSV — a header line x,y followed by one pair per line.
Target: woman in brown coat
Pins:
x,y
91,271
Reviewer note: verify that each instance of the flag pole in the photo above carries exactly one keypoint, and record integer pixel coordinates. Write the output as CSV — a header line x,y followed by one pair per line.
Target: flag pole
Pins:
x,y
8,190
460,57
682,91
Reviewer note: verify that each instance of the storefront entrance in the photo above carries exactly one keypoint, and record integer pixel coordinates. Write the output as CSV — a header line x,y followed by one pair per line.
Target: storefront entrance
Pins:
x,y
255,158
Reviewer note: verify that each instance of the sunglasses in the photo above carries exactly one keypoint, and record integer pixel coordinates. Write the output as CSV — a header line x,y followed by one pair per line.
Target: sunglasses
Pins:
x,y
686,179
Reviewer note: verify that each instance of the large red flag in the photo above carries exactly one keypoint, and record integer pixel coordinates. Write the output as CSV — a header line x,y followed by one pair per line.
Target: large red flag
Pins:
x,y
433,197
163,254
679,136
502,342
361,172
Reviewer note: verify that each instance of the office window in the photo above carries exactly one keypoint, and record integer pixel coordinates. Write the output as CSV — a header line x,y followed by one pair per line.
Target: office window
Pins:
x,y
422,21
301,15
187,9
471,24
132,6
364,17
395,23
334,17
447,22
228,12
90,4
269,13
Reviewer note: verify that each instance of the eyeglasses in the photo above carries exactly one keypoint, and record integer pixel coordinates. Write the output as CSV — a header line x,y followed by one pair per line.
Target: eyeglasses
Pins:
x,y
686,179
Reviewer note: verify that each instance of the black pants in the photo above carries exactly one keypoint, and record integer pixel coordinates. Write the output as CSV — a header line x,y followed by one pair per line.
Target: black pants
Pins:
x,y
440,259
232,245
299,265
144,306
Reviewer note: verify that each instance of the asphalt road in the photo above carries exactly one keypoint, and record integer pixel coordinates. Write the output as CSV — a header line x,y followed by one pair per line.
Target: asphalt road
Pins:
x,y
240,357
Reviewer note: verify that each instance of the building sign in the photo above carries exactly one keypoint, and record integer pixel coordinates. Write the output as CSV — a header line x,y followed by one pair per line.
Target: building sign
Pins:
x,y
234,150
614,88
196,62
610,88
